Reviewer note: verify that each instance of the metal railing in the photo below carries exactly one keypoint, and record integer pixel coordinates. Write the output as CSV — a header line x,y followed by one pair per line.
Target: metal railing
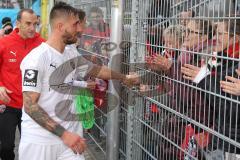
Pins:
x,y
183,50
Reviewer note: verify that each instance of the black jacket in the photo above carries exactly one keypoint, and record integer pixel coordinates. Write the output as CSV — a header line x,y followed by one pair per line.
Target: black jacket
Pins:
x,y
227,112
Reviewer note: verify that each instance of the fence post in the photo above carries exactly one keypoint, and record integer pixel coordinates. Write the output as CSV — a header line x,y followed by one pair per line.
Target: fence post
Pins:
x,y
114,87
131,98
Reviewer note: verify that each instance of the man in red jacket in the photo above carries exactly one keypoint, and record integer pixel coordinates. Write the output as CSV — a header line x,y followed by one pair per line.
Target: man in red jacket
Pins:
x,y
13,48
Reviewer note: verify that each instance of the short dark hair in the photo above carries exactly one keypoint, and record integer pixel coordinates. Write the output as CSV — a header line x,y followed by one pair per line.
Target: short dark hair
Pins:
x,y
20,13
62,9
81,14
6,21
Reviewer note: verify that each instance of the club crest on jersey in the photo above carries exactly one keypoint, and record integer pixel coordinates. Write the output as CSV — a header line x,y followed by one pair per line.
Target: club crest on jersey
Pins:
x,y
30,78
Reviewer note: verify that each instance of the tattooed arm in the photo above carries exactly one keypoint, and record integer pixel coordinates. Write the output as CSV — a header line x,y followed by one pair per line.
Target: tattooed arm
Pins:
x,y
40,116
103,72
35,111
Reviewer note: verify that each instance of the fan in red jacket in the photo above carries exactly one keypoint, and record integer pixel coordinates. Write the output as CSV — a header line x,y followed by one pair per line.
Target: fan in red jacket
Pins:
x,y
13,48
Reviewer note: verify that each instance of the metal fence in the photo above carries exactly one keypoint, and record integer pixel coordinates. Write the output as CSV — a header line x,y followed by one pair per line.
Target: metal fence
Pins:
x,y
97,33
186,107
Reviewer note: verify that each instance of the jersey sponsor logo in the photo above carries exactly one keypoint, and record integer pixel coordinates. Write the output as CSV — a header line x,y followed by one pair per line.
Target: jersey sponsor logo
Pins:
x,y
30,78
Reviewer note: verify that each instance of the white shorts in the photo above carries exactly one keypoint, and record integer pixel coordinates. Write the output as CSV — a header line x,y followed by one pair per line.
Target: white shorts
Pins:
x,y
30,151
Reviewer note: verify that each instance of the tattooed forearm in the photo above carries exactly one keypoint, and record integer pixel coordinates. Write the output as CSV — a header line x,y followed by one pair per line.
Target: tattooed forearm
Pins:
x,y
36,112
105,73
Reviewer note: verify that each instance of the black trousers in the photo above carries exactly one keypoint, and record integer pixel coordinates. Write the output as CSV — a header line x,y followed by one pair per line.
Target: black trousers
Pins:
x,y
9,120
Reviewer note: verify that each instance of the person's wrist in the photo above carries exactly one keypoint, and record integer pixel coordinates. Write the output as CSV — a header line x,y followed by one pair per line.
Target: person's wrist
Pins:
x,y
64,135
123,78
59,131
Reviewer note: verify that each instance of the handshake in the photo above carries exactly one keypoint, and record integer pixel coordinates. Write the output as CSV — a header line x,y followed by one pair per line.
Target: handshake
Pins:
x,y
131,79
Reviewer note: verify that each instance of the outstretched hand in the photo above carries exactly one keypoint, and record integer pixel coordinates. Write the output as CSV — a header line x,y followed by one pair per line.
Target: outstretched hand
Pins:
x,y
159,62
232,85
132,79
190,71
91,84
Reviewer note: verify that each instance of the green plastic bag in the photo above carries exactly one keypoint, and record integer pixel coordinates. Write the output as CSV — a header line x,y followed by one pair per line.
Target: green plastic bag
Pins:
x,y
85,108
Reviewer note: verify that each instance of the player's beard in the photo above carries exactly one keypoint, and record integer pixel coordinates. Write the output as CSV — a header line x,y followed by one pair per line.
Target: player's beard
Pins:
x,y
69,38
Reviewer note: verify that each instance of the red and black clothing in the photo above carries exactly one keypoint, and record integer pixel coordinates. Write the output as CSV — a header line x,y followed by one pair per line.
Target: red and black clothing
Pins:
x,y
227,121
94,36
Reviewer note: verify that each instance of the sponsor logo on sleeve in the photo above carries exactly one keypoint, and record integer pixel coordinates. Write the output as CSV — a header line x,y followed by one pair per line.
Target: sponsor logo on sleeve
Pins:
x,y
30,78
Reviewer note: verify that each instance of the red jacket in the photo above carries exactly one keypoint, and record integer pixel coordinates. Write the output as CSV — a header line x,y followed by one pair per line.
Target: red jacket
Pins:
x,y
13,49
92,35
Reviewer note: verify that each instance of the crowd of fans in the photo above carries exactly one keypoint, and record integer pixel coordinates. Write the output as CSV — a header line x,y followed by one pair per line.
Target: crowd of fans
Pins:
x,y
200,58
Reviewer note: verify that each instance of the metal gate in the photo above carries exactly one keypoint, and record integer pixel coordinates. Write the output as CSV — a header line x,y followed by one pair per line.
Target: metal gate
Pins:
x,y
183,50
